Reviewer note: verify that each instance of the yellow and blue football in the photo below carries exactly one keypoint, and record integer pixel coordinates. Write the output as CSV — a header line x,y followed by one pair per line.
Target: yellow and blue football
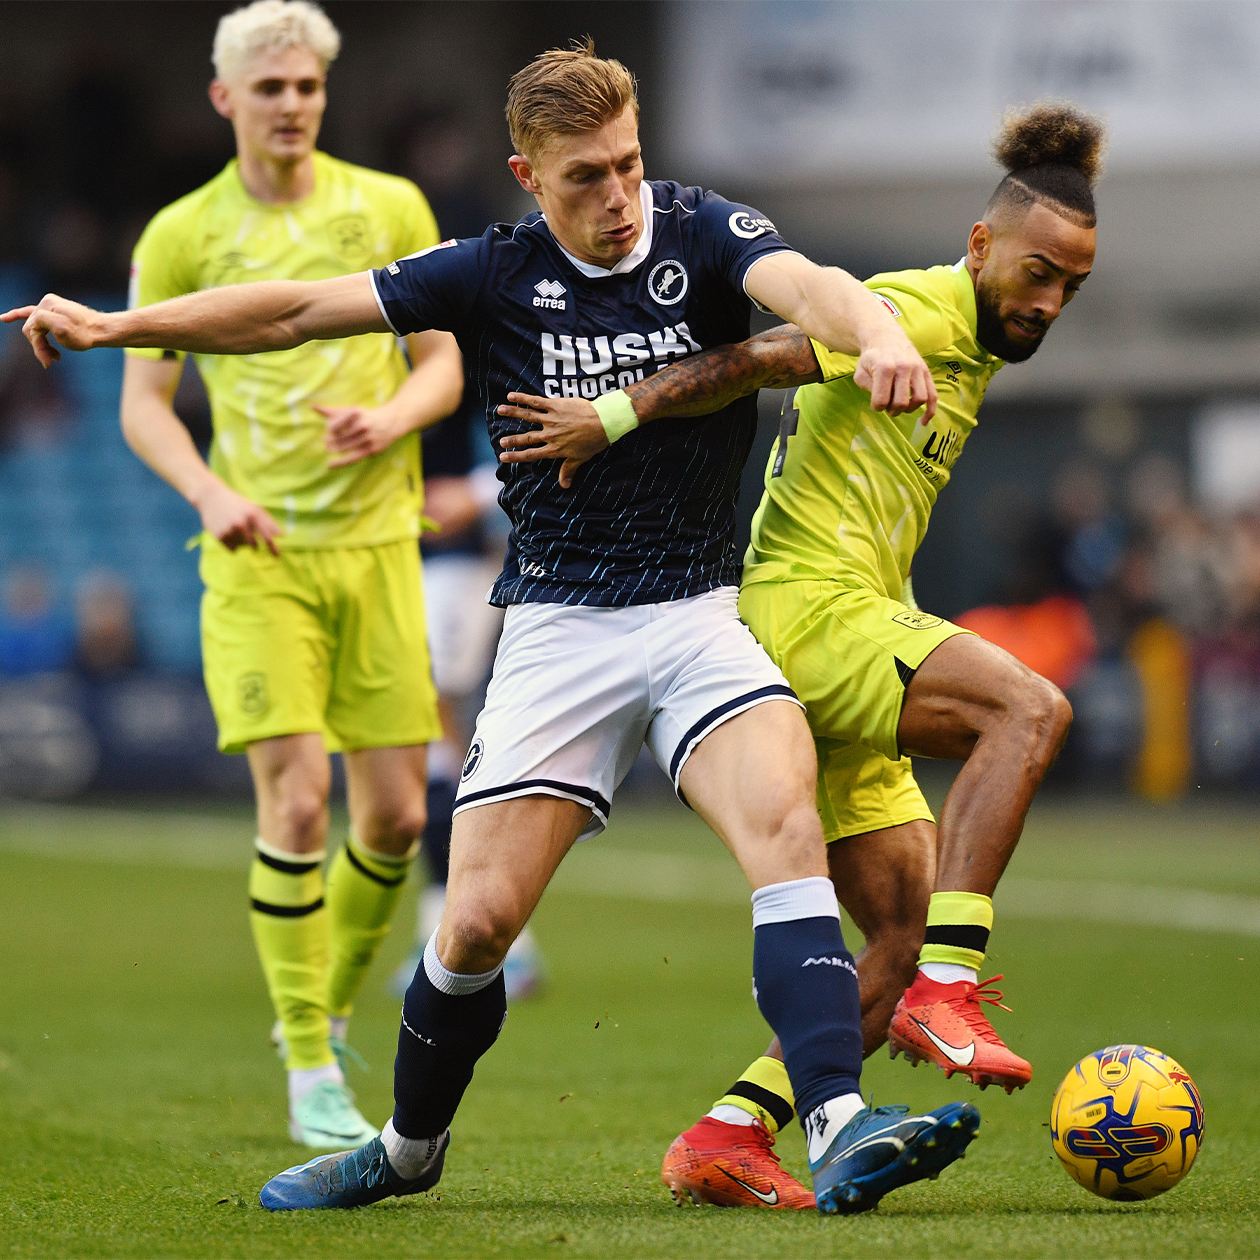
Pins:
x,y
1127,1122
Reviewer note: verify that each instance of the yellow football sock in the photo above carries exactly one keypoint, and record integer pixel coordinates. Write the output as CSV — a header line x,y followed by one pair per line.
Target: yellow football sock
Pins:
x,y
958,926
363,889
763,1091
290,925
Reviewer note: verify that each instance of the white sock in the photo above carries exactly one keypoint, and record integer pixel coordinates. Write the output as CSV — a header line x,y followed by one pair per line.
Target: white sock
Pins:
x,y
823,1123
303,1080
409,1157
728,1113
337,1025
948,973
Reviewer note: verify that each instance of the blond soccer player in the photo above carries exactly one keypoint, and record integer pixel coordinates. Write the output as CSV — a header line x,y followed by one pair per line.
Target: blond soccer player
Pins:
x,y
313,619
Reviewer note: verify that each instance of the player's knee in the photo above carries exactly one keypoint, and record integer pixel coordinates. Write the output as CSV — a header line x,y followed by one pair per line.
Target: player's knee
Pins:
x,y
796,831
395,829
302,812
476,937
1047,713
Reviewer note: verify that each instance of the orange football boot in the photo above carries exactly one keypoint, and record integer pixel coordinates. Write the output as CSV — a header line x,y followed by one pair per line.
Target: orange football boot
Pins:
x,y
730,1165
943,1024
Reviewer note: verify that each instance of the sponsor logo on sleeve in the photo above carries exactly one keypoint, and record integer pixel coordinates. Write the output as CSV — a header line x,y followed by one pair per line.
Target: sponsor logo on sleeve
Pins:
x,y
668,282
748,227
915,620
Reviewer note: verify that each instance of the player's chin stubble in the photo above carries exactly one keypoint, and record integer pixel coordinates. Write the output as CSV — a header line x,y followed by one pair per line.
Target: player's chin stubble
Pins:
x,y
991,331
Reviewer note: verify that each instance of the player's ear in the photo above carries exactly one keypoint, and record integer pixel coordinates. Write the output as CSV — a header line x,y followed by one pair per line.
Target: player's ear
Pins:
x,y
523,169
219,98
979,244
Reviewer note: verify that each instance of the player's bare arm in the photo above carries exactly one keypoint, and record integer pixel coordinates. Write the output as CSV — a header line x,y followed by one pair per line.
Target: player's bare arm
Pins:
x,y
839,311
157,435
570,429
430,393
235,319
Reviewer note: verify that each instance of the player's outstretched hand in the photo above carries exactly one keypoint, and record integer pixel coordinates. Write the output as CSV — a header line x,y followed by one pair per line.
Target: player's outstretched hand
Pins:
x,y
354,433
236,522
568,429
895,375
73,325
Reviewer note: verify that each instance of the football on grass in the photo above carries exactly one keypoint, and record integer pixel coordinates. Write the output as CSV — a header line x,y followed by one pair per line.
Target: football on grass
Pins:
x,y
1127,1122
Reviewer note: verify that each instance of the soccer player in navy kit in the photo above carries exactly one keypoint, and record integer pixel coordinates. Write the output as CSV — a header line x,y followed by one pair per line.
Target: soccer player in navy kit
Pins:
x,y
622,626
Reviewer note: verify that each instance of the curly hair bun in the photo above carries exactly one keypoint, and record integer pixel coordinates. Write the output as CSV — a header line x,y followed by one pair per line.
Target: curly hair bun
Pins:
x,y
1048,133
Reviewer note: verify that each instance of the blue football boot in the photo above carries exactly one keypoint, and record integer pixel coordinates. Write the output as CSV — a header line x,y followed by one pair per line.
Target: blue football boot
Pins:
x,y
349,1179
883,1148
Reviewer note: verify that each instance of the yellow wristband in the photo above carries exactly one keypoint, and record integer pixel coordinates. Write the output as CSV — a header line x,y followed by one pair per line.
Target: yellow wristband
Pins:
x,y
616,414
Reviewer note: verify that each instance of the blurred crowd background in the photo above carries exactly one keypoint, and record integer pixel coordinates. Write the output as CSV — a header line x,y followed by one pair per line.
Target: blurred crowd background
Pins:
x,y
1103,522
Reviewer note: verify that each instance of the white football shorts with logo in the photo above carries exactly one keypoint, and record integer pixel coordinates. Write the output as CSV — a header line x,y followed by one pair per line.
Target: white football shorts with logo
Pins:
x,y
576,691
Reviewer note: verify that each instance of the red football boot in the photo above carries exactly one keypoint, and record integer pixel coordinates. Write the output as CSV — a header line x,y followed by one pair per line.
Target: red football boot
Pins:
x,y
943,1024
731,1165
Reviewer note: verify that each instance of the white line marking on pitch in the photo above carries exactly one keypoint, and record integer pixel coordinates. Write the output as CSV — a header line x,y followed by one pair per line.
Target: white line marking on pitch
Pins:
x,y
136,838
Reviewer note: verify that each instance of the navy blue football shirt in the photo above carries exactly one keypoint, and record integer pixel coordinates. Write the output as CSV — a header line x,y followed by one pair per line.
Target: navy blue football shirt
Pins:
x,y
651,518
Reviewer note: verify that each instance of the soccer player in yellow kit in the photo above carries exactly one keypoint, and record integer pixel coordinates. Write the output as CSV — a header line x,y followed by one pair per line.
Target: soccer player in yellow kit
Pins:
x,y
826,590
313,618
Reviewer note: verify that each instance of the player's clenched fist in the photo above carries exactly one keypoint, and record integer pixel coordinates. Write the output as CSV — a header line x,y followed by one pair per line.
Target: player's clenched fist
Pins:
x,y
74,325
235,521
567,428
896,376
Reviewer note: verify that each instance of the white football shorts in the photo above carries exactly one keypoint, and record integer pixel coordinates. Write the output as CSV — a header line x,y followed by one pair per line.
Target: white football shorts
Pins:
x,y
576,691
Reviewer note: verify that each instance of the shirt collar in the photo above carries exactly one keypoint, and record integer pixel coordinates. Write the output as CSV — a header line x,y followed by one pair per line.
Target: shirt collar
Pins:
x,y
634,257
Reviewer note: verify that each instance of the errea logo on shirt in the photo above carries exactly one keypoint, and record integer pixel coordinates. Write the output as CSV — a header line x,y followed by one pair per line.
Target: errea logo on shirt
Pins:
x,y
550,294
745,226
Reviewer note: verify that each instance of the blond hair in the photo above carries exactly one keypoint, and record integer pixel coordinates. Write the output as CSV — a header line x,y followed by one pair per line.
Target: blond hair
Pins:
x,y
272,26
566,91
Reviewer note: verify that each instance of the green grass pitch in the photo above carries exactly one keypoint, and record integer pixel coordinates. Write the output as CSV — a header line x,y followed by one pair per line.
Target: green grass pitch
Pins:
x,y
141,1108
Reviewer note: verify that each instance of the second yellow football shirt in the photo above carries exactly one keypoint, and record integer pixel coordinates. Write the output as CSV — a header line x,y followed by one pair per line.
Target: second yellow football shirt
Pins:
x,y
849,490
268,439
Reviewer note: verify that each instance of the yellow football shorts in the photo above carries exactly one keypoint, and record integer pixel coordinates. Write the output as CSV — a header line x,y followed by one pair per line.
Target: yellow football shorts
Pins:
x,y
849,655
329,641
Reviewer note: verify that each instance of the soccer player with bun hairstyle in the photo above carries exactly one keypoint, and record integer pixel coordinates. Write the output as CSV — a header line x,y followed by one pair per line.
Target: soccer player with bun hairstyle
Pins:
x,y
622,625
826,589
313,617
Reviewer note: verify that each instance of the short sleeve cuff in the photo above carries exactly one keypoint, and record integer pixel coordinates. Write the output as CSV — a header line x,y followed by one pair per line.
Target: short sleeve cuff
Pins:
x,y
834,365
743,284
376,293
155,354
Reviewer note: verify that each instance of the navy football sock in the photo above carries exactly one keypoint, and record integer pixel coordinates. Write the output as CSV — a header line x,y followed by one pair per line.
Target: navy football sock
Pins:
x,y
806,985
440,804
448,1022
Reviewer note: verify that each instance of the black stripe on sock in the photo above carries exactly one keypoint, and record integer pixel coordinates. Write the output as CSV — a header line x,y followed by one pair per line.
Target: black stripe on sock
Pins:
x,y
775,1104
285,912
285,868
380,879
959,935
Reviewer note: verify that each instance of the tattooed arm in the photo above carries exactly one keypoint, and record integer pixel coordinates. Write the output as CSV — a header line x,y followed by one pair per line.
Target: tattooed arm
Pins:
x,y
570,429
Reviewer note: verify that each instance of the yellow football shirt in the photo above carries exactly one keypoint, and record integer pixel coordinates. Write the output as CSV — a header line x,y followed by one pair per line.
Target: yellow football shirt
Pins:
x,y
849,490
268,439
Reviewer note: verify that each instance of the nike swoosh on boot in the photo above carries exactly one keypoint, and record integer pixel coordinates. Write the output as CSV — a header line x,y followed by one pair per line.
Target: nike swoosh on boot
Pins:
x,y
772,1198
962,1055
